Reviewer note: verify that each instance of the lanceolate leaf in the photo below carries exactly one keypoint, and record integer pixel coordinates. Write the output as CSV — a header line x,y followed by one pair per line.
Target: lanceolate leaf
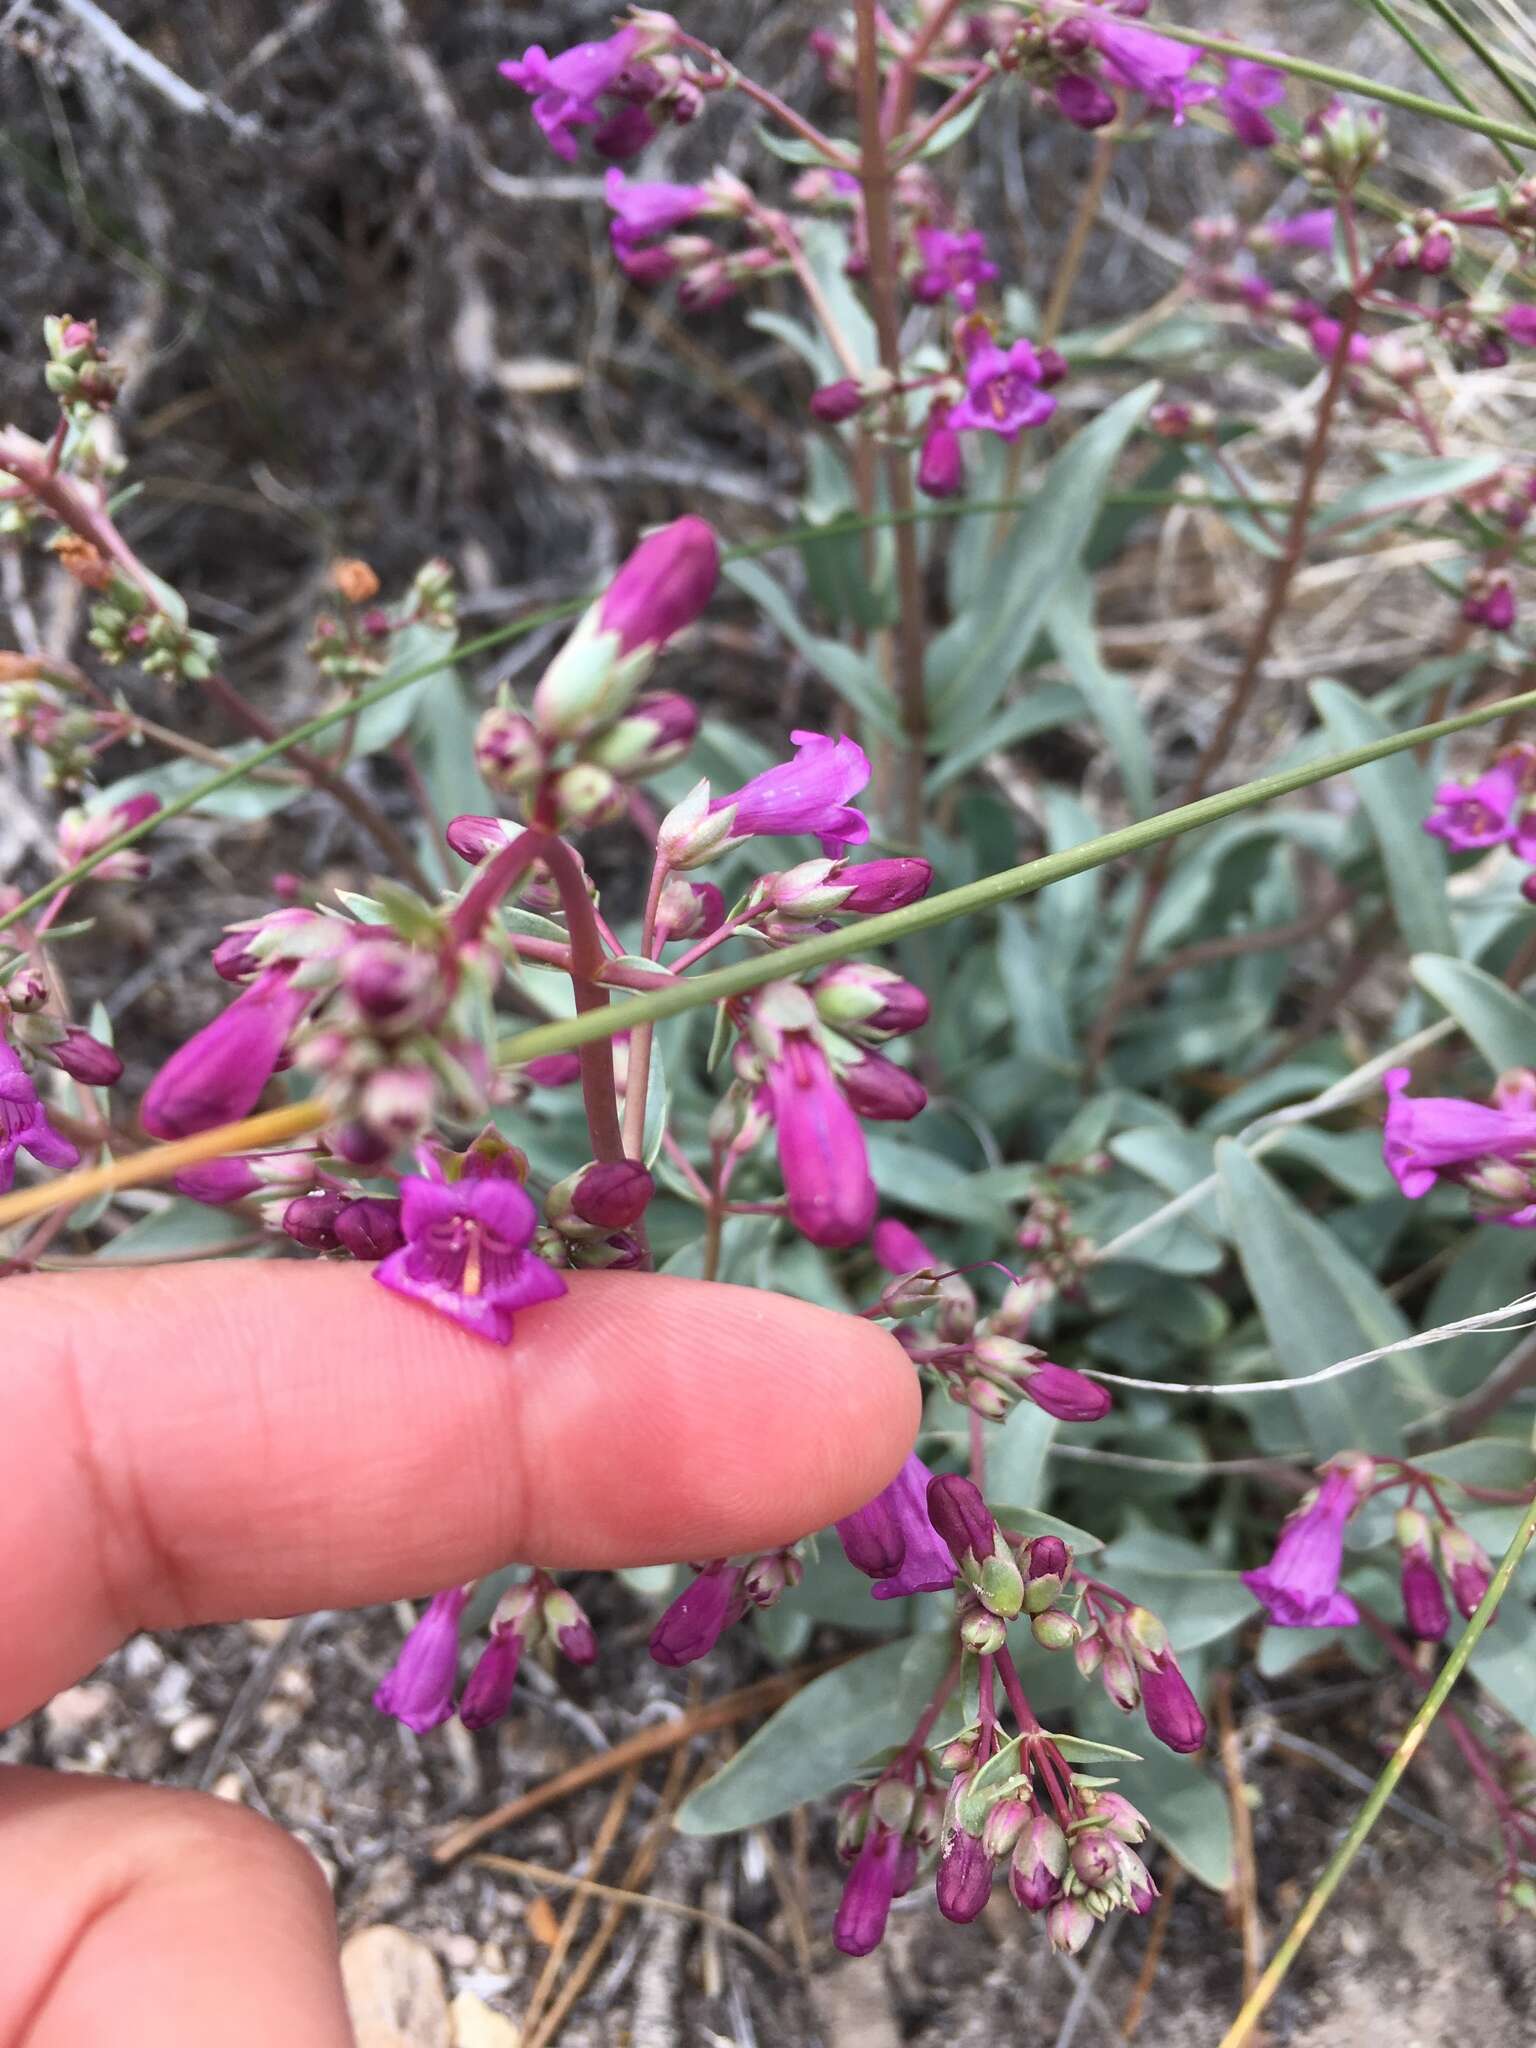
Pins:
x,y
822,1737
1499,1023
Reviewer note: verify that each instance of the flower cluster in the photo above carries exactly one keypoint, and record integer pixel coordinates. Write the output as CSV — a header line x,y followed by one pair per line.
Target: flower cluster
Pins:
x,y
1495,810
422,1685
1299,1587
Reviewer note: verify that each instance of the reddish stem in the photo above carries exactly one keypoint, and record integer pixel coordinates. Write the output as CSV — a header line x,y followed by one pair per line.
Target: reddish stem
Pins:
x,y
587,963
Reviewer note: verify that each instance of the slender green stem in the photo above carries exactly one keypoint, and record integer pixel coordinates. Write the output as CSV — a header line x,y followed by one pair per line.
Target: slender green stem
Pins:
x,y
744,975
175,807
1347,81
1258,2000
1488,57
1433,61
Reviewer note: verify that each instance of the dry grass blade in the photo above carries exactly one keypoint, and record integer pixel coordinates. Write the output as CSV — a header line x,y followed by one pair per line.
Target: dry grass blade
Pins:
x,y
541,1873
649,1742
603,1841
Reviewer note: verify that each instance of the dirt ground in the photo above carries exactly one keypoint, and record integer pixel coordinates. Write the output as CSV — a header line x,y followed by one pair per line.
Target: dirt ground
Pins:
x,y
366,313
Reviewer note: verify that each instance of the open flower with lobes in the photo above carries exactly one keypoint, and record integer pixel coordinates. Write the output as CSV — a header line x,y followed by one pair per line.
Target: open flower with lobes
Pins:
x,y
1250,89
811,793
218,1075
419,1688
1300,1585
466,1253
24,1125
568,90
1141,61
640,209
1002,391
892,1540
1441,1137
1470,816
953,267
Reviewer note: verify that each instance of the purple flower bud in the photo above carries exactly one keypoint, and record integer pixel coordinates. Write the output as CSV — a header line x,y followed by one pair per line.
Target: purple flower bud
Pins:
x,y
882,1091
876,885
840,401
1069,1923
1424,1610
956,1509
1467,1565
230,1180
1067,1395
693,1624
663,586
1039,1864
554,1070
940,461
1095,1860
84,1058
1120,1678
1047,1557
1519,323
218,1075
767,1579
1172,1711
657,730
1007,1818
1141,1892
868,1002
867,1896
1084,102
82,833
488,1694
963,1884
239,954
395,987
688,910
509,752
473,838
574,1635
310,1220
418,1689
613,1196
1112,1810
369,1228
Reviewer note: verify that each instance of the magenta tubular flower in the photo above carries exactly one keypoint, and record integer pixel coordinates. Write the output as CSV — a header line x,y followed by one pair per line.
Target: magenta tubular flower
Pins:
x,y
1311,230
821,1148
418,1689
877,1088
218,1075
1519,323
1002,392
1069,1396
24,1125
697,1618
624,134
901,1250
809,794
663,586
1172,1711
1248,90
568,87
641,209
1428,1137
1469,816
941,460
953,267
81,833
1300,1584
488,1693
466,1253
1084,102
891,1540
1150,64
1425,1613
866,1901
877,885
